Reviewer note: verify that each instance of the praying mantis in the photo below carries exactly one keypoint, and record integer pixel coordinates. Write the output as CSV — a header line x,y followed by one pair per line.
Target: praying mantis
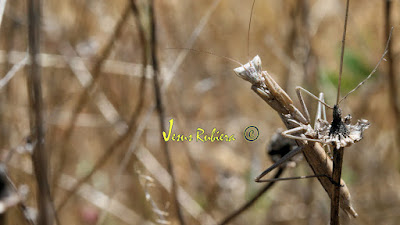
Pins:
x,y
266,87
310,140
339,133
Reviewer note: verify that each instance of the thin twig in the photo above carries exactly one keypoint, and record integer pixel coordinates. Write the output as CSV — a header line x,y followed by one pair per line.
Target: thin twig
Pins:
x,y
338,153
39,156
160,110
144,45
253,200
110,67
189,43
342,51
391,72
4,81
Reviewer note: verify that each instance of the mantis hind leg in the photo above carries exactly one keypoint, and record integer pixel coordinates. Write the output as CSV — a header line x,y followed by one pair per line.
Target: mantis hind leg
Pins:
x,y
285,158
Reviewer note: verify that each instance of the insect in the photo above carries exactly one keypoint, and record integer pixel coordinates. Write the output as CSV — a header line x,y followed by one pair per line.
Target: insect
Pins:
x,y
339,133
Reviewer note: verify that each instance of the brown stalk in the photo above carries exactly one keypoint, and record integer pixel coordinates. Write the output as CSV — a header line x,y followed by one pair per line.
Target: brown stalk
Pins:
x,y
160,110
338,153
39,157
336,176
392,73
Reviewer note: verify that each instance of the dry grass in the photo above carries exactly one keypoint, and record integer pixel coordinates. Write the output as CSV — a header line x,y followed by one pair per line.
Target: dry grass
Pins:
x,y
299,44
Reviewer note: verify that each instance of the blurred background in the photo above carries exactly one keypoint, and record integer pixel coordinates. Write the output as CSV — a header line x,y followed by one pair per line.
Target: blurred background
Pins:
x,y
107,161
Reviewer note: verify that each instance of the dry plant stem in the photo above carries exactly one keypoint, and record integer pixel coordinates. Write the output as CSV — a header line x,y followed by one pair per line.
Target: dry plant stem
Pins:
x,y
338,153
144,44
58,61
342,52
391,73
336,176
315,156
83,98
253,200
160,110
6,79
39,156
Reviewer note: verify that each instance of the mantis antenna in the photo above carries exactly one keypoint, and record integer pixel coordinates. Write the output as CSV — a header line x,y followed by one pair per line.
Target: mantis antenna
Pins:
x,y
248,30
207,52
